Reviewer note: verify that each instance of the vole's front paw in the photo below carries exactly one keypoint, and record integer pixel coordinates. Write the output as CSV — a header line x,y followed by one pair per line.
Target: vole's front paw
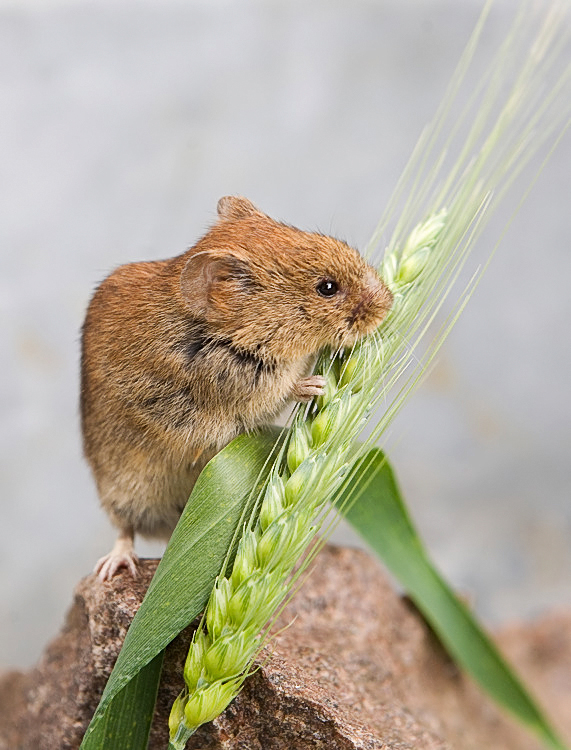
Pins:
x,y
107,566
307,388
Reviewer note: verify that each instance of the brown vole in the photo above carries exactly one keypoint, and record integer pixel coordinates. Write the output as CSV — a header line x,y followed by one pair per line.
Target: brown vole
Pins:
x,y
181,355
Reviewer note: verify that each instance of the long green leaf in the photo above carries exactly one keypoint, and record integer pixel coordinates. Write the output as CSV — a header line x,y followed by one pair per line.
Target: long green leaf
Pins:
x,y
182,583
380,517
128,725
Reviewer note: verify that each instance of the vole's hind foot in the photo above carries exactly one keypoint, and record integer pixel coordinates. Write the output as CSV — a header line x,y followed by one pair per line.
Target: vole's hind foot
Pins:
x,y
307,388
106,567
121,556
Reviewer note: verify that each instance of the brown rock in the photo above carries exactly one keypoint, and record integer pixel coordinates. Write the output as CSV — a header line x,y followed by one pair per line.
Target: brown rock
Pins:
x,y
356,668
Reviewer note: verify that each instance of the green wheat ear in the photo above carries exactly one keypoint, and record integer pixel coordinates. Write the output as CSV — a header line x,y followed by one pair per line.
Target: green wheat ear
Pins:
x,y
508,119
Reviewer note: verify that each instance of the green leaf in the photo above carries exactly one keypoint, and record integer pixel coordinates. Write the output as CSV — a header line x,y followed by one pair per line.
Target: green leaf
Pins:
x,y
374,507
182,583
128,725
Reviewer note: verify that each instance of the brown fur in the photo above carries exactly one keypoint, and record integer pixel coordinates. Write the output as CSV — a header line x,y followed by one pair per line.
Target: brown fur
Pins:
x,y
181,355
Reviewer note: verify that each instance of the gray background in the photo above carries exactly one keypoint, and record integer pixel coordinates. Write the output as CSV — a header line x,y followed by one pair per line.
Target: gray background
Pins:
x,y
122,123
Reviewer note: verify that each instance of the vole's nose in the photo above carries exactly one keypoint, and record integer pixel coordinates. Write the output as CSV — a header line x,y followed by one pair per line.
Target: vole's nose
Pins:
x,y
382,296
374,304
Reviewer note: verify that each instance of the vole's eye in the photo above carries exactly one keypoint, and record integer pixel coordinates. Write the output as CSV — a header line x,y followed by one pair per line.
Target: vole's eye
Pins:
x,y
327,288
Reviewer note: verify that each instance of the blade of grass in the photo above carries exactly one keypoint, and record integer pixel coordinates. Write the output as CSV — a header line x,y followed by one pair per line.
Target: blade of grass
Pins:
x,y
375,508
184,579
128,725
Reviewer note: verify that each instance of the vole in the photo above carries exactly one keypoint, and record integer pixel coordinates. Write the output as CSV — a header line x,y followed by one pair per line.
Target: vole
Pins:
x,y
181,355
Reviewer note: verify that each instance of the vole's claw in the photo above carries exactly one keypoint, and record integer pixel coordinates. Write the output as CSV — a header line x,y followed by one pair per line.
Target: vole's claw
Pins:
x,y
121,556
110,564
307,388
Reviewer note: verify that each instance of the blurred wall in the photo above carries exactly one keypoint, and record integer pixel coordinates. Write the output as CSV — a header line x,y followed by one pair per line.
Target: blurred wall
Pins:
x,y
122,123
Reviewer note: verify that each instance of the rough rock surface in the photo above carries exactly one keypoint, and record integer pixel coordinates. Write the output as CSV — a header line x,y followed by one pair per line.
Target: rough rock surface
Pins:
x,y
356,668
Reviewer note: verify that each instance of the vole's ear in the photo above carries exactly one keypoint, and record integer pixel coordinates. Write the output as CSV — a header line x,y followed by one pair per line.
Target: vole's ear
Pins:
x,y
206,273
235,207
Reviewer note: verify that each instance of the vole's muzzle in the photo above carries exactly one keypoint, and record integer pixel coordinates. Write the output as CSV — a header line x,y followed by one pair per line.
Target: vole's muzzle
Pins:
x,y
372,307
